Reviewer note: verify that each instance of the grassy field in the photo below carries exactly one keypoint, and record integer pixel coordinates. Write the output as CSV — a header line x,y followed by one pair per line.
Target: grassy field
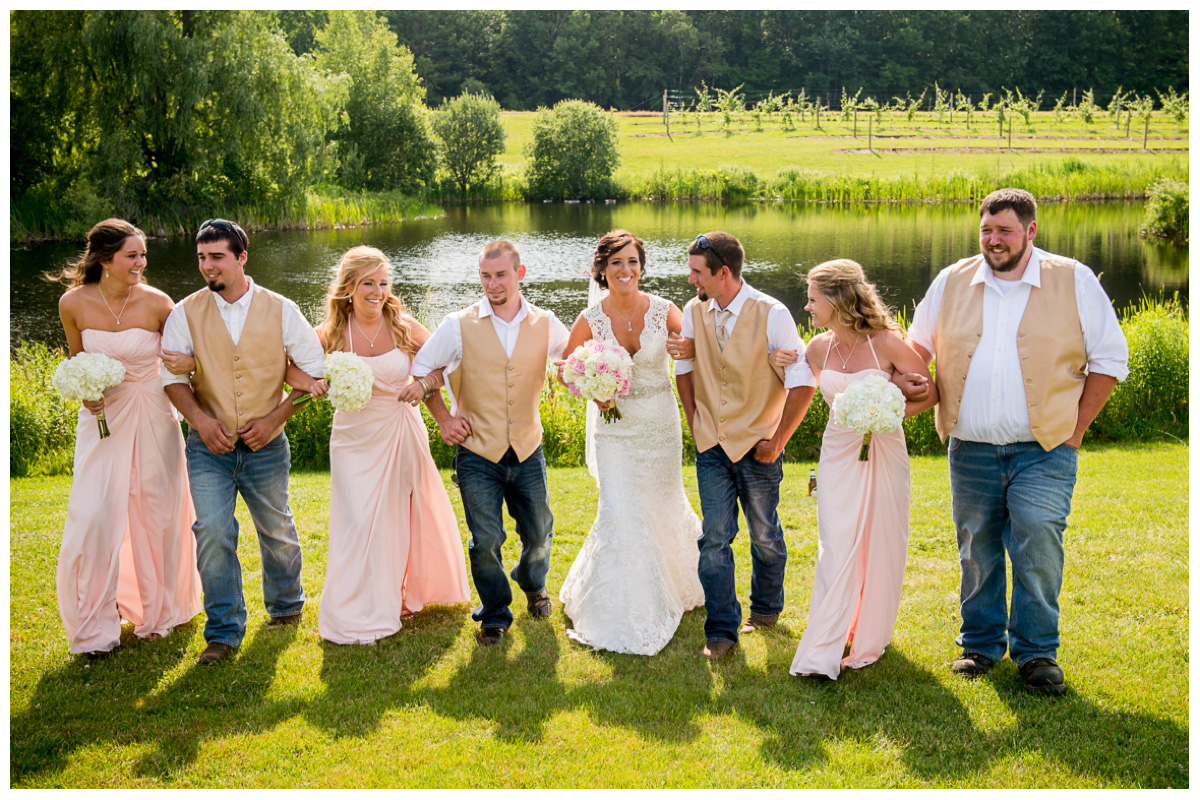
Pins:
x,y
924,147
429,708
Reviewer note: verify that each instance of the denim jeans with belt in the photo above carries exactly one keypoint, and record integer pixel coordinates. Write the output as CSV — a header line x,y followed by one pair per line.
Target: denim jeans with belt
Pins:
x,y
261,477
1012,497
485,487
722,484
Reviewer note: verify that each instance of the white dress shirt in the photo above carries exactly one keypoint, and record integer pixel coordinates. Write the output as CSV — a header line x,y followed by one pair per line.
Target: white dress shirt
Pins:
x,y
444,348
299,339
781,332
993,408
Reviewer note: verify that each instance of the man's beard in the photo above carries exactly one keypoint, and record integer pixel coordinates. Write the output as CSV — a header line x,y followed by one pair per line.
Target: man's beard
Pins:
x,y
216,286
1009,264
702,295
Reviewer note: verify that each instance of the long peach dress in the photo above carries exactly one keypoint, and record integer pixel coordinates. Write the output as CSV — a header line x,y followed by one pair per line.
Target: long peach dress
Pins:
x,y
862,532
394,544
128,550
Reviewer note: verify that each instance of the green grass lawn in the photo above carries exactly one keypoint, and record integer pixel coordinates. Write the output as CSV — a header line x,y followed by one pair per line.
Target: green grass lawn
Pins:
x,y
429,708
921,147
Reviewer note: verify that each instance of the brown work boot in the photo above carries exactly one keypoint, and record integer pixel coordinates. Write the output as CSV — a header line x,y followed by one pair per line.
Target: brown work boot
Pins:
x,y
972,665
716,649
214,653
1043,676
754,623
286,620
538,604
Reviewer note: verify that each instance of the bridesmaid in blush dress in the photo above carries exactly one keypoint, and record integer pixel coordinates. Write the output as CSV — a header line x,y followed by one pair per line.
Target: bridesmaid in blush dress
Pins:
x,y
862,506
394,545
127,549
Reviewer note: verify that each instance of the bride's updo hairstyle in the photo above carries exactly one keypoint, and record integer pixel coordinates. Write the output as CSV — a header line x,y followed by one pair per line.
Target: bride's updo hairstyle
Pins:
x,y
610,243
857,304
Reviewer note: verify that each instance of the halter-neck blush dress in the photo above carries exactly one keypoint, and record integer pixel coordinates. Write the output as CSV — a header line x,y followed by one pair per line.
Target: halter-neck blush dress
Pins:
x,y
127,550
862,533
394,545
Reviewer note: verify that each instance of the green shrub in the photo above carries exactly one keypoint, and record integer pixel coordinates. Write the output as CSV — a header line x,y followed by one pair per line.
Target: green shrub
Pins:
x,y
573,153
472,136
1153,401
1166,212
41,423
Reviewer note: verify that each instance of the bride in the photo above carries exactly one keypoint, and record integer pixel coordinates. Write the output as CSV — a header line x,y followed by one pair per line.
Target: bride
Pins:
x,y
635,575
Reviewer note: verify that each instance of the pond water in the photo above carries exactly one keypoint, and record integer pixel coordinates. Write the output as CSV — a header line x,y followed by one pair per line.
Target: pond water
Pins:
x,y
902,249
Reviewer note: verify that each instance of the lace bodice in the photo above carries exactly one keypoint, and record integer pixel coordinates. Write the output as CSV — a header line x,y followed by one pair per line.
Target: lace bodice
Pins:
x,y
651,364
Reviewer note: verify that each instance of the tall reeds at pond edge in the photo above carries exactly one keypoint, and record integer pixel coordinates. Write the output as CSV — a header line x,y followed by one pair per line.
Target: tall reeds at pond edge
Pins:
x,y
1151,404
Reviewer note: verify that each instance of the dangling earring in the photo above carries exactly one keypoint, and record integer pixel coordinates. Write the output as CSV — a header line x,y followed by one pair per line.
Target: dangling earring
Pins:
x,y
106,272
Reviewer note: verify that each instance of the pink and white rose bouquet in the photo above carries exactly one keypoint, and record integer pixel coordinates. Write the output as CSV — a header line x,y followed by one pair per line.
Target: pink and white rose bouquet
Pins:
x,y
600,372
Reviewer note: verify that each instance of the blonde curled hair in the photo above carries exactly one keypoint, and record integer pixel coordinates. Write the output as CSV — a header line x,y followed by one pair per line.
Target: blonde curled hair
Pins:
x,y
856,303
356,264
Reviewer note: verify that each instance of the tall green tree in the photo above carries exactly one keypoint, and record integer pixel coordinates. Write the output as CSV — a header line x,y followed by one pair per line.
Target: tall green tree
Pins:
x,y
384,141
472,136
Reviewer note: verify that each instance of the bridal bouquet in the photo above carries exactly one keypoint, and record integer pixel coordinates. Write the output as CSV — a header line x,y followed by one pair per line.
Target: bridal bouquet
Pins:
x,y
350,379
871,405
85,377
601,372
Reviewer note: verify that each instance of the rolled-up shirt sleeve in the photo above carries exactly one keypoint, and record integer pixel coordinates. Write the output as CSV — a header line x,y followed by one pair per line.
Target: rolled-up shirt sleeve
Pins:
x,y
924,321
301,343
781,332
558,338
1103,340
685,365
443,348
176,337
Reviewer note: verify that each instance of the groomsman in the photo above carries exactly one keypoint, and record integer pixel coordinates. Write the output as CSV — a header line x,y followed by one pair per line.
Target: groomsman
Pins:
x,y
241,336
742,412
495,354
1028,351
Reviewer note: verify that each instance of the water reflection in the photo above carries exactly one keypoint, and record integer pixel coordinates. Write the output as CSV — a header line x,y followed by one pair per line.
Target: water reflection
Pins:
x,y
902,248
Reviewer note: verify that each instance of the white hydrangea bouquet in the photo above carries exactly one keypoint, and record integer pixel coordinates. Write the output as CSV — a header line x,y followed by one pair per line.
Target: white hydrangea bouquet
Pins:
x,y
870,405
85,377
350,379
600,372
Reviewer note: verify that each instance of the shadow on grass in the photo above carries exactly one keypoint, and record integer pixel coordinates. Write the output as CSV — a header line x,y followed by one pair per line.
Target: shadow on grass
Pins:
x,y
355,700
897,708
221,700
85,701
518,693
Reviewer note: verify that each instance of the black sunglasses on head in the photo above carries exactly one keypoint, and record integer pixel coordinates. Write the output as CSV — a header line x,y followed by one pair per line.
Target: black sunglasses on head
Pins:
x,y
705,244
225,225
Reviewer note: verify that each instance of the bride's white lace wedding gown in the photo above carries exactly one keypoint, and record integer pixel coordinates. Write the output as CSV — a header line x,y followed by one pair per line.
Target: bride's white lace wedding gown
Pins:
x,y
635,575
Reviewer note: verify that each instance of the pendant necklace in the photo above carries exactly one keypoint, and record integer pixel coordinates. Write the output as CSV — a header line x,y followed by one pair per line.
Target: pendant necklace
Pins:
x,y
116,316
628,319
370,339
849,355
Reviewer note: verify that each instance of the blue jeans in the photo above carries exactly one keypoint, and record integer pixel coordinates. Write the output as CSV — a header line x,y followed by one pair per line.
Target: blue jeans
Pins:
x,y
1012,497
723,483
261,478
485,487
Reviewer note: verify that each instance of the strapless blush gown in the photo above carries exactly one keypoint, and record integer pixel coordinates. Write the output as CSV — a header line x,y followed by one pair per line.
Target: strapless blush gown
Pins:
x,y
128,550
862,532
394,544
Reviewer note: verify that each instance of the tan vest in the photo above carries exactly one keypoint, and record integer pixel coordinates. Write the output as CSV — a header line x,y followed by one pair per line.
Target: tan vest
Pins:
x,y
1049,344
499,395
237,384
739,395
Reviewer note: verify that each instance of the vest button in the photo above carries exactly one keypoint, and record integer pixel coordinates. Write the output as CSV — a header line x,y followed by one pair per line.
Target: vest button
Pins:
x,y
722,421
239,394
237,358
511,402
511,385
722,437
511,368
723,402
